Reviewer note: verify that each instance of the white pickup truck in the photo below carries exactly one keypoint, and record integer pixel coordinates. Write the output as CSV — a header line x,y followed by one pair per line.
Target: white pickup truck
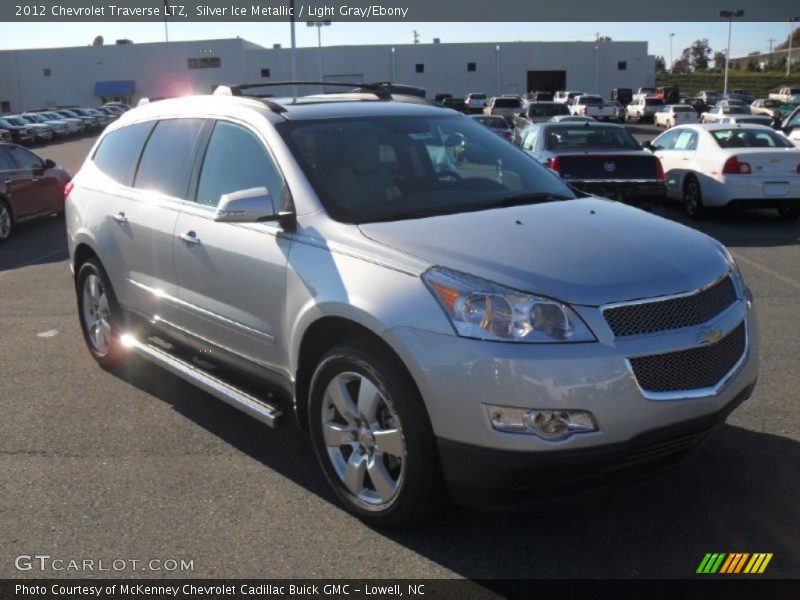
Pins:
x,y
589,105
782,95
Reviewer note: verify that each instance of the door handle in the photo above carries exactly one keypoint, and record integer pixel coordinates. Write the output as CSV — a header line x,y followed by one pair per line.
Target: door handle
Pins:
x,y
120,218
7,181
190,237
35,180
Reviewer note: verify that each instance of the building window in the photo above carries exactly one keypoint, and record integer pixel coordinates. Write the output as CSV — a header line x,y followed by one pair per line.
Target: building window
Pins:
x,y
265,72
472,67
47,72
622,65
213,62
420,68
5,106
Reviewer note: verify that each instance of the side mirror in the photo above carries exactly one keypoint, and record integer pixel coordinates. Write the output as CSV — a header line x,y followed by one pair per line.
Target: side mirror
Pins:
x,y
49,163
246,206
648,145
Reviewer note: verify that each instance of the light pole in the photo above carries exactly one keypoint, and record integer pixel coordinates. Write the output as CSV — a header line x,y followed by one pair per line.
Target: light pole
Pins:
x,y
497,52
789,53
596,61
671,35
319,25
293,51
728,14
394,65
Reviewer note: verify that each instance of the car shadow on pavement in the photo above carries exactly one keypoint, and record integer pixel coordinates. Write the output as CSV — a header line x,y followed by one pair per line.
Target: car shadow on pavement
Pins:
x,y
35,242
738,228
737,493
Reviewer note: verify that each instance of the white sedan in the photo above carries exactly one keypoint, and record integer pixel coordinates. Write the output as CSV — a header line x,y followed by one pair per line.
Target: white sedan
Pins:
x,y
720,111
750,166
673,115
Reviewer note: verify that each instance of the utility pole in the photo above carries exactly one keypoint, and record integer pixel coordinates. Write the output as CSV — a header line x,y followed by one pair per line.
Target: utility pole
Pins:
x,y
319,25
596,60
769,56
789,53
166,12
416,37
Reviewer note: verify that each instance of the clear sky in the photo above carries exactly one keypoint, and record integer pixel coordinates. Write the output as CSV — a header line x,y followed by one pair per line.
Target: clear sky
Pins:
x,y
747,37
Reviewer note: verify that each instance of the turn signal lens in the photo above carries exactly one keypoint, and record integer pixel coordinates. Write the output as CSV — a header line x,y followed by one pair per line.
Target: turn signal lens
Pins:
x,y
68,189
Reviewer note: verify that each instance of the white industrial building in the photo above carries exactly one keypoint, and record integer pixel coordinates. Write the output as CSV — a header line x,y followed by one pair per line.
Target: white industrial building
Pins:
x,y
31,79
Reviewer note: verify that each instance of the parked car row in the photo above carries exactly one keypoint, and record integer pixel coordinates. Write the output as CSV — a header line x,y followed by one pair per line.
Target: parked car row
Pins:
x,y
45,125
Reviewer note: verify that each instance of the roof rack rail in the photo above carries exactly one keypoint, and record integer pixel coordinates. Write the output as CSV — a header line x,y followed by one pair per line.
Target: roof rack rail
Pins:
x,y
379,90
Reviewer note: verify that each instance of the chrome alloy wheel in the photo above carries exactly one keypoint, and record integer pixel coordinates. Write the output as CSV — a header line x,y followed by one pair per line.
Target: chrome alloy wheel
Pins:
x,y
5,222
363,438
96,314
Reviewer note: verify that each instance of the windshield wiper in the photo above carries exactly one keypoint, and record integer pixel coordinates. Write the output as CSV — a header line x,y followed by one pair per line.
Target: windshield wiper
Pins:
x,y
529,198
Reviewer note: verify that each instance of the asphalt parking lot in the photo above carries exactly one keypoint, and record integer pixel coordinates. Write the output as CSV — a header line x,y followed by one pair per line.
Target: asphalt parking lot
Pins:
x,y
140,465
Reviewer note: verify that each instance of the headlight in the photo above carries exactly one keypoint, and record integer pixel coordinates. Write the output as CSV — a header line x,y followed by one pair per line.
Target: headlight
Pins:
x,y
487,311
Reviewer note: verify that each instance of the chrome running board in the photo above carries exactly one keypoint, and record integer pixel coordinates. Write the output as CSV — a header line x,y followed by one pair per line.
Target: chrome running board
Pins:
x,y
256,408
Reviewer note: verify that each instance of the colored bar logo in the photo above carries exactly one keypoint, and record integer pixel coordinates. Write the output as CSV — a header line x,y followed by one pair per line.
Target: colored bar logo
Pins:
x,y
734,563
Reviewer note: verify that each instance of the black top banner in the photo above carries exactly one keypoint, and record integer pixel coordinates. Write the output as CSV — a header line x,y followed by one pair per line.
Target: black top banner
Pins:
x,y
392,10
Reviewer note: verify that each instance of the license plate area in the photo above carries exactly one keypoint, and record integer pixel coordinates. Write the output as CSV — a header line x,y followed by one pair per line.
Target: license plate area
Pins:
x,y
774,189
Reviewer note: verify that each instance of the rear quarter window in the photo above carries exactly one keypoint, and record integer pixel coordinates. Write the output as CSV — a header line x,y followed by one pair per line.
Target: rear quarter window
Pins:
x,y
119,152
167,158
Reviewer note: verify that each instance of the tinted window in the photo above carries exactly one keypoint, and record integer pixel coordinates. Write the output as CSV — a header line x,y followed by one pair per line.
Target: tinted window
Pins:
x,y
654,102
506,103
592,100
236,160
443,164
580,136
6,164
23,158
750,138
492,121
167,158
119,152
547,110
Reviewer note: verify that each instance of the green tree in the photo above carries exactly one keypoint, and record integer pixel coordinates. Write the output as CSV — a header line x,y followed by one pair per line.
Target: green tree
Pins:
x,y
719,60
700,53
661,65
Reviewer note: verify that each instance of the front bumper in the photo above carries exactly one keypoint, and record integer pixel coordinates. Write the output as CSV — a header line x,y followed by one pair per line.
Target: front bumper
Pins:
x,y
458,377
486,478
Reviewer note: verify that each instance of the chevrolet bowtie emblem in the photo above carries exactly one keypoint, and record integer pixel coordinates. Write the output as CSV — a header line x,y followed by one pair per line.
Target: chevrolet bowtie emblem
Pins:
x,y
712,336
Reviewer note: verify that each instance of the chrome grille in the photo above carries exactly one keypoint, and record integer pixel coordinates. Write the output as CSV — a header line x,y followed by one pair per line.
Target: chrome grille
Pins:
x,y
675,313
692,369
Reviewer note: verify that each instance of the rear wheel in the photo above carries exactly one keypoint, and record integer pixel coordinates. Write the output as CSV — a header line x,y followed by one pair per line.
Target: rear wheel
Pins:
x,y
789,212
6,221
693,199
373,438
99,314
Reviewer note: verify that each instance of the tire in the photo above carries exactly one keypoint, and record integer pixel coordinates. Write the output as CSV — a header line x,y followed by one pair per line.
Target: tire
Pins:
x,y
99,314
789,212
693,199
6,221
399,486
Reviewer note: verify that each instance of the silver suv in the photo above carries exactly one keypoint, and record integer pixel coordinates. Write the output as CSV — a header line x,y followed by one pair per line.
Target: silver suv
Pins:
x,y
441,312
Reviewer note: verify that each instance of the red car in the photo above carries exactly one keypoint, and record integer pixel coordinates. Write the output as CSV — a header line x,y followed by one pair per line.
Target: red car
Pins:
x,y
30,187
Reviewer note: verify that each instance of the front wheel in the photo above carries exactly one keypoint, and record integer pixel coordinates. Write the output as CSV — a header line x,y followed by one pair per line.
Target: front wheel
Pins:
x,y
373,438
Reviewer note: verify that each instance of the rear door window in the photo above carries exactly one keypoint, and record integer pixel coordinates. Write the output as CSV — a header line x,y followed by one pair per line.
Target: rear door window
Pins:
x,y
119,152
687,140
168,156
6,164
236,160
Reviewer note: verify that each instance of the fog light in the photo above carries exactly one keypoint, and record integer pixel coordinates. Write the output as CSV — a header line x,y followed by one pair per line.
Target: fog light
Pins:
x,y
548,424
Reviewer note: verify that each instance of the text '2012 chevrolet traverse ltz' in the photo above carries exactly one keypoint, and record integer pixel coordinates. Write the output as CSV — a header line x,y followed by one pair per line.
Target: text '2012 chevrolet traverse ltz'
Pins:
x,y
444,315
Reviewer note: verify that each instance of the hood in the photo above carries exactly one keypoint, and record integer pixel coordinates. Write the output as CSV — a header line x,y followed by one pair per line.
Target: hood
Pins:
x,y
587,251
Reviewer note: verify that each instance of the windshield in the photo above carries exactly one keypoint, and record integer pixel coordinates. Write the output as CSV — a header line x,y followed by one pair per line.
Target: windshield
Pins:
x,y
68,113
4,123
590,100
388,168
653,102
547,110
575,137
686,109
750,138
477,96
37,118
771,103
17,121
